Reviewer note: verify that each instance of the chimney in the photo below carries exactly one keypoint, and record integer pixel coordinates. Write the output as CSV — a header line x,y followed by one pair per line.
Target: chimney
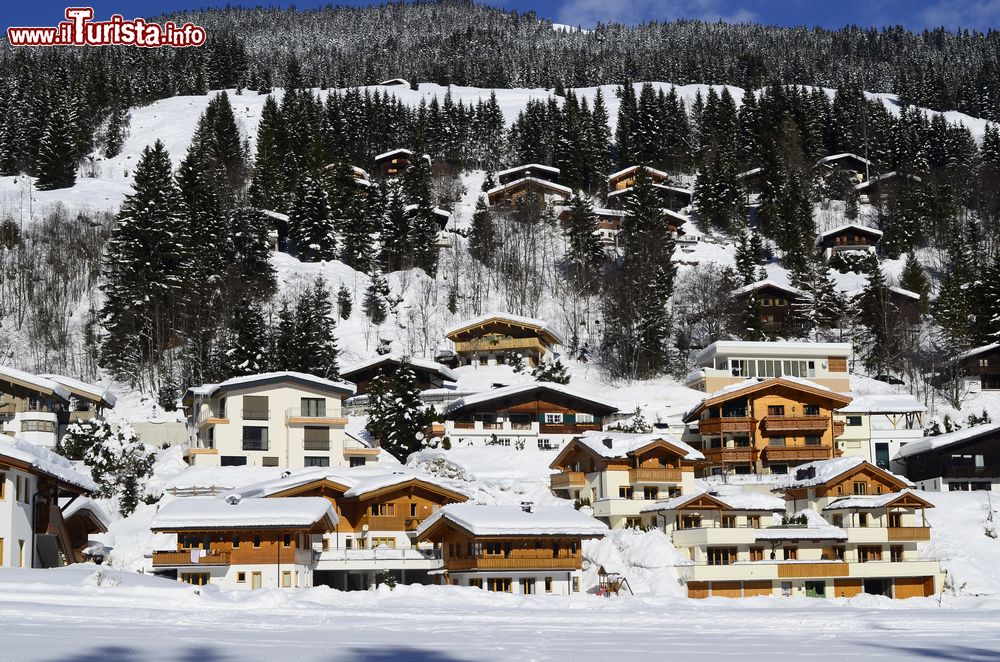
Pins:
x,y
528,506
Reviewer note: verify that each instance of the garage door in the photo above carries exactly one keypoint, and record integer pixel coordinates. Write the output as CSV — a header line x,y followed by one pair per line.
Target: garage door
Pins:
x,y
913,587
751,589
697,589
847,588
725,589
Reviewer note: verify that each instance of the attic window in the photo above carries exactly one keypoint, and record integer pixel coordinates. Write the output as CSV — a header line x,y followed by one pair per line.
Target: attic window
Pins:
x,y
607,443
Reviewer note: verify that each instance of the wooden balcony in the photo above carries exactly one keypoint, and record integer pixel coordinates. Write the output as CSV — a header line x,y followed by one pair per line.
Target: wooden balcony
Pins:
x,y
803,453
741,454
971,472
654,475
726,424
514,563
800,570
211,557
386,523
464,425
909,533
796,423
487,345
568,428
566,479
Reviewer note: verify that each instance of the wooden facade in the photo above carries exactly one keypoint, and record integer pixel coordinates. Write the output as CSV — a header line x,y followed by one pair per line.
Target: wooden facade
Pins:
x,y
528,190
394,163
554,412
771,425
850,237
659,460
625,179
864,479
489,338
775,307
535,170
362,376
983,364
970,463
239,546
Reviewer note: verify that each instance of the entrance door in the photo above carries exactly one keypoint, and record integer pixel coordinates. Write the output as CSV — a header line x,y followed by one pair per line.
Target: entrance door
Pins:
x,y
255,581
816,589
528,585
878,587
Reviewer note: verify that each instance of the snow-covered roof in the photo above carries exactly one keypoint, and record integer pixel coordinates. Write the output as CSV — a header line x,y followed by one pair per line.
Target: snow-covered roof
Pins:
x,y
518,389
947,439
391,152
559,188
44,461
868,502
209,390
436,210
839,157
667,187
873,180
883,404
756,382
359,481
520,320
905,293
620,444
976,351
735,500
528,166
278,216
822,471
215,512
78,387
634,168
763,348
71,507
395,81
748,173
760,284
425,364
29,380
848,226
816,528
483,520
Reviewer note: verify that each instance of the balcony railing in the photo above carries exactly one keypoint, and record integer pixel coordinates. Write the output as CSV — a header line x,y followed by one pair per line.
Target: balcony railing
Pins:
x,y
211,557
485,345
909,533
799,570
256,414
254,445
971,472
654,475
568,479
738,454
796,423
514,563
207,416
777,453
726,424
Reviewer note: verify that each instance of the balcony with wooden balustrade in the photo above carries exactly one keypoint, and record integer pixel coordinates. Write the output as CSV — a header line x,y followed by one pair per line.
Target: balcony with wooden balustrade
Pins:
x,y
212,557
726,424
567,479
495,345
797,453
795,423
514,563
737,454
654,475
903,533
801,570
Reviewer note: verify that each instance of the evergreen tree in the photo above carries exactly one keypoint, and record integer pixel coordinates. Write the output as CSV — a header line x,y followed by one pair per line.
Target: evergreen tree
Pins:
x,y
483,236
396,416
375,304
310,226
119,464
584,255
551,371
317,345
81,436
344,302
57,154
117,128
914,279
249,352
877,344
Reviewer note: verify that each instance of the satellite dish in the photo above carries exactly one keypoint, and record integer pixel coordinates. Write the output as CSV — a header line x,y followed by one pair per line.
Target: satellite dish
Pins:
x,y
234,499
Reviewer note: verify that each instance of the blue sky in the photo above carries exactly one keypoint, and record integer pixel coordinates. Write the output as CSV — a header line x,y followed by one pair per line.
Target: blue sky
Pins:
x,y
914,14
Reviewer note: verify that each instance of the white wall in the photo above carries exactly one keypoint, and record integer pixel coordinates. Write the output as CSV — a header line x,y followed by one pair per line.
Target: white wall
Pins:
x,y
16,520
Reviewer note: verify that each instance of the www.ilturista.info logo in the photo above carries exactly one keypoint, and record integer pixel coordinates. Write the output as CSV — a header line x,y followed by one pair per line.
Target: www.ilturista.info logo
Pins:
x,y
79,29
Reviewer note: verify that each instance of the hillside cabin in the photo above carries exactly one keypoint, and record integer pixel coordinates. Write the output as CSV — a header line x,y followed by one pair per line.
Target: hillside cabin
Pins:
x,y
849,237
625,179
963,460
855,168
523,549
502,338
875,189
728,362
84,517
243,543
979,368
395,162
618,472
429,374
766,426
672,198
752,182
774,305
395,82
534,170
441,216
525,189
539,415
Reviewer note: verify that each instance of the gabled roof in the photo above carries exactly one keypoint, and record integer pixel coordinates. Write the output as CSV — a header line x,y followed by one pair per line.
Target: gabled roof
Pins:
x,y
356,482
822,472
84,390
81,504
874,180
393,152
34,382
666,187
828,160
236,383
558,188
483,520
612,445
753,385
396,359
629,170
210,513
864,229
541,326
742,501
18,452
761,284
948,439
444,213
749,173
883,404
904,498
598,404
976,351
529,166
395,81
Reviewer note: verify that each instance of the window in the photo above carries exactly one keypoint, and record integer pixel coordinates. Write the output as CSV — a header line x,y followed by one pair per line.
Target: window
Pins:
x,y
838,552
650,493
776,410
233,461
810,410
254,438
286,540
236,541
868,553
776,441
256,542
498,584
316,461
527,585
863,520
357,461
729,521
286,579
383,509
814,441
624,492
756,553
815,589
895,520
721,555
780,469
791,553
753,521
853,421
896,553
476,582
838,520
584,418
860,488
384,541
413,510
195,578
553,419
576,584
3,486
241,578
691,521
313,407
315,438
17,488
633,523
548,584
255,408
38,426
269,461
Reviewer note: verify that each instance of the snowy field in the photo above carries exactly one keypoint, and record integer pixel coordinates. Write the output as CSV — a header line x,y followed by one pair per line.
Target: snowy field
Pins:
x,y
64,615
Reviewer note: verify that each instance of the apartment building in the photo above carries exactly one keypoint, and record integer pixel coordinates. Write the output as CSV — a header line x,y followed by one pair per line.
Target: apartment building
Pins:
x,y
277,419
379,511
617,473
724,363
836,528
877,426
536,414
509,549
36,489
766,426
38,408
238,543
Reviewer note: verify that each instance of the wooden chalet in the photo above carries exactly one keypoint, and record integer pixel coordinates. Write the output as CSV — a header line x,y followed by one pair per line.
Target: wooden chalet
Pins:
x,y
875,189
625,179
429,374
967,459
395,82
850,237
535,170
609,223
752,181
767,425
673,198
856,167
395,162
774,304
83,518
493,338
526,189
980,367
512,549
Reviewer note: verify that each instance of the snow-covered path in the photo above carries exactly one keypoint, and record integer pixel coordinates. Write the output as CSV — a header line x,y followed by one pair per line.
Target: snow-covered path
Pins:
x,y
46,622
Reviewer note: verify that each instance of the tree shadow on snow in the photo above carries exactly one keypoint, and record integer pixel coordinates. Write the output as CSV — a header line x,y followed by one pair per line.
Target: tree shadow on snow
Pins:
x,y
945,652
123,654
393,654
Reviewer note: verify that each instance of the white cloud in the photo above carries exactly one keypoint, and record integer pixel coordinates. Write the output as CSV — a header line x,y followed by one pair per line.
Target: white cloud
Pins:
x,y
952,14
589,12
